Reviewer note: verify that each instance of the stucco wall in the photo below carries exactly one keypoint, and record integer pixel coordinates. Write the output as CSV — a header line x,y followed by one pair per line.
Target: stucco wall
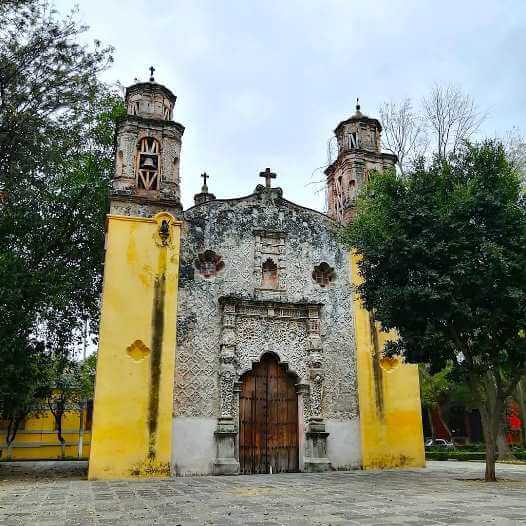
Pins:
x,y
194,448
389,395
132,420
344,443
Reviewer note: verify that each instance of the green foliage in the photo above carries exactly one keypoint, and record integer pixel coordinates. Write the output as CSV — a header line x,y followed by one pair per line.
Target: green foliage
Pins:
x,y
462,455
443,260
434,388
56,152
87,376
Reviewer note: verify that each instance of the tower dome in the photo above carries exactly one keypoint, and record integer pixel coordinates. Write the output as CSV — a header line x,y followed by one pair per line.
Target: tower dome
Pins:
x,y
359,154
148,149
150,100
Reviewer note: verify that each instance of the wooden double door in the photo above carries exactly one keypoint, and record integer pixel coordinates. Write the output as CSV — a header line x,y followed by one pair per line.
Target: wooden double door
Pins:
x,y
268,419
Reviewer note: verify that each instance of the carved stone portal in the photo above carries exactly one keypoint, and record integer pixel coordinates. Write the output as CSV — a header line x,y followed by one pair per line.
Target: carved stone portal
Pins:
x,y
292,332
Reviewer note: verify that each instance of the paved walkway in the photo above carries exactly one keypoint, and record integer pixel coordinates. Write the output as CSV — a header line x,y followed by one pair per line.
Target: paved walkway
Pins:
x,y
56,493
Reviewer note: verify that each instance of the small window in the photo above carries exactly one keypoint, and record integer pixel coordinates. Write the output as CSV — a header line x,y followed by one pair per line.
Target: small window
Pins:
x,y
269,275
209,264
323,274
353,142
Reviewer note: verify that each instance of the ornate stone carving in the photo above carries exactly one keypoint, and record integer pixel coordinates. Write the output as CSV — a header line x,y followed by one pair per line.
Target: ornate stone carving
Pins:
x,y
209,264
307,326
226,389
316,392
270,269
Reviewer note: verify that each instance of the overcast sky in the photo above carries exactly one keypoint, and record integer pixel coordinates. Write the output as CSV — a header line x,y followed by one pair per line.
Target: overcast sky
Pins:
x,y
264,83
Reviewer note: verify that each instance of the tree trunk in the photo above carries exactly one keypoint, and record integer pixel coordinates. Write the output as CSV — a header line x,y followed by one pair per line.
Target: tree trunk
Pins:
x,y
60,437
431,425
443,422
491,410
57,408
12,430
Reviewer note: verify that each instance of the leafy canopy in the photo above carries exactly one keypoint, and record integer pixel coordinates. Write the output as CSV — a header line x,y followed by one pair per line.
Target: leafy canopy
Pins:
x,y
56,152
444,253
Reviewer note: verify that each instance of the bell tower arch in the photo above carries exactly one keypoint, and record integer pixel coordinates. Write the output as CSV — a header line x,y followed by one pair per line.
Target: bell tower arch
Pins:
x,y
148,149
359,153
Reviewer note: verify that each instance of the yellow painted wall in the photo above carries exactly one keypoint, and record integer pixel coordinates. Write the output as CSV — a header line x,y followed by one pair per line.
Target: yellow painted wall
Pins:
x,y
389,396
38,438
132,418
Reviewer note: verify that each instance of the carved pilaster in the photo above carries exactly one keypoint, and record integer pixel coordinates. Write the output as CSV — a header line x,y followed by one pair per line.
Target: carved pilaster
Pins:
x,y
316,392
227,361
316,437
226,433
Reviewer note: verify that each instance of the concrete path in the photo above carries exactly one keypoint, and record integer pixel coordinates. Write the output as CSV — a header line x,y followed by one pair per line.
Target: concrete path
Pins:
x,y
56,493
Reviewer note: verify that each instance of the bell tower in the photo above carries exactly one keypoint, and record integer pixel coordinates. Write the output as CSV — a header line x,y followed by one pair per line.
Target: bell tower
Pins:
x,y
148,148
359,153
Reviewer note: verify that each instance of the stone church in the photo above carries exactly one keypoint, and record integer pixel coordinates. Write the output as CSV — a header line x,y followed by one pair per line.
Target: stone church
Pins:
x,y
231,340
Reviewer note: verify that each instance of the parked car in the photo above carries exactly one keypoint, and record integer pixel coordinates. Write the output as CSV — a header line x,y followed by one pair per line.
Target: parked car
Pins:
x,y
439,443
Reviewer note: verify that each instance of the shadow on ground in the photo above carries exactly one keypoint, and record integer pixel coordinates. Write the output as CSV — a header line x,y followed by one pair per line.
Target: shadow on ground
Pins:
x,y
43,470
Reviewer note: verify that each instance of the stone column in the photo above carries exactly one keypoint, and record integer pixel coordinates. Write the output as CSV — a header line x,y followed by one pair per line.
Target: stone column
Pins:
x,y
237,391
316,437
226,432
302,390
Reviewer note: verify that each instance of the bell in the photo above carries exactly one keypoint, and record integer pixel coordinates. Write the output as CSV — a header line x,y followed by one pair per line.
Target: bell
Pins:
x,y
148,164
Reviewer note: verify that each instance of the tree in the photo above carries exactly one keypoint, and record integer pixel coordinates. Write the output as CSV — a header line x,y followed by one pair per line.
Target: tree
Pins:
x,y
452,117
446,119
515,146
63,391
88,368
23,382
443,253
403,132
56,152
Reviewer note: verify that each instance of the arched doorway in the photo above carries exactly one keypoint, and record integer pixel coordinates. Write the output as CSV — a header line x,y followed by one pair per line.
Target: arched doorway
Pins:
x,y
268,419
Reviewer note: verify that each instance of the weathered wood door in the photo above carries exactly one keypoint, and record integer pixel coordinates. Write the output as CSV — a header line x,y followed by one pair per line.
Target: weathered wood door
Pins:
x,y
268,420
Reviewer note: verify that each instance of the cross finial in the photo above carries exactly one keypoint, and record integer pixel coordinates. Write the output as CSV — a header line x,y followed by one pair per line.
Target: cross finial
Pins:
x,y
152,69
205,176
357,103
268,175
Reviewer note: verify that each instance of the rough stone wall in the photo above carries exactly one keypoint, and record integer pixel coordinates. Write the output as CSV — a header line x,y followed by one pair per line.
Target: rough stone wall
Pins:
x,y
233,229
168,134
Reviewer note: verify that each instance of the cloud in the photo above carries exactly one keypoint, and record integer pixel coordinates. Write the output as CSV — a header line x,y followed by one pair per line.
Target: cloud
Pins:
x,y
265,83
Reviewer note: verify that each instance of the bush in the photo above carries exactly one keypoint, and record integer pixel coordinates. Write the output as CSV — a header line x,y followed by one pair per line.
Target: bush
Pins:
x,y
466,455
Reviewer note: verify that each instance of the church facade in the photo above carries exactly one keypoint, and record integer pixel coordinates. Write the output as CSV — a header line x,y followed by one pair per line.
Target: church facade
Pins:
x,y
231,340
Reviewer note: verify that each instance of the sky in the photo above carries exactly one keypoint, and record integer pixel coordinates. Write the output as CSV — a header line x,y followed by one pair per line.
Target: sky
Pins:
x,y
264,83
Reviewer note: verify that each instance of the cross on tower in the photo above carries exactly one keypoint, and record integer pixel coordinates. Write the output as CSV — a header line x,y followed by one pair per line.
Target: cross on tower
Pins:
x,y
205,176
152,69
268,175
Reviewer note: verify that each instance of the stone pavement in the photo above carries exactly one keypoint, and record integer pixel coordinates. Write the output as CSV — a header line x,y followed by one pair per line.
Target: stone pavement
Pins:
x,y
56,493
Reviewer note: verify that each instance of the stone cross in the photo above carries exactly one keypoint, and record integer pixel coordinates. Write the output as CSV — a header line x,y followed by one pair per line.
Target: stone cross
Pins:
x,y
268,175
152,69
